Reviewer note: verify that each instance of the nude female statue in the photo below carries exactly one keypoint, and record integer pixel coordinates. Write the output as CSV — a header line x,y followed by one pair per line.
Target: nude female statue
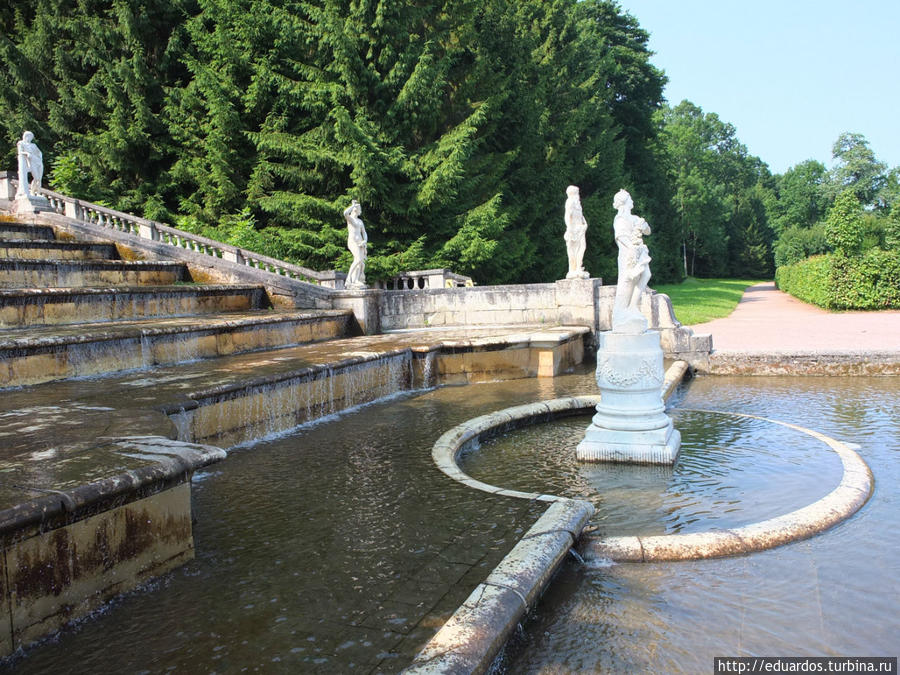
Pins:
x,y
357,241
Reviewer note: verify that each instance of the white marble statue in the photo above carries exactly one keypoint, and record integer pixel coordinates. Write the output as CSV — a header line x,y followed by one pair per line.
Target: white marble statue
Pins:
x,y
634,266
630,424
576,228
357,241
31,161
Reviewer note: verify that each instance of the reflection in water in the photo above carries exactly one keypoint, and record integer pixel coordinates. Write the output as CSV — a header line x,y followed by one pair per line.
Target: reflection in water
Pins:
x,y
835,594
732,471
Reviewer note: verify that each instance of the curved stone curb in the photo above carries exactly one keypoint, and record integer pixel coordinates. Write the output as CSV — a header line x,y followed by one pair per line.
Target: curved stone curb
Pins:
x,y
477,631
674,375
846,499
449,446
472,637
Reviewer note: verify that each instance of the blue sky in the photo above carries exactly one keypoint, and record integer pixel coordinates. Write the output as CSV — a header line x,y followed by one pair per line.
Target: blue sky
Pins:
x,y
790,75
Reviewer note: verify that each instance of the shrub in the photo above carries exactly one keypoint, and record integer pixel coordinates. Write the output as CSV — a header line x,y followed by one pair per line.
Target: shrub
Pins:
x,y
835,281
868,281
843,225
807,280
892,229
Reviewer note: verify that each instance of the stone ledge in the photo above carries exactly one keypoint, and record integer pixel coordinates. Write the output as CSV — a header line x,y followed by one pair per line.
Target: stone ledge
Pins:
x,y
168,463
28,338
854,490
801,363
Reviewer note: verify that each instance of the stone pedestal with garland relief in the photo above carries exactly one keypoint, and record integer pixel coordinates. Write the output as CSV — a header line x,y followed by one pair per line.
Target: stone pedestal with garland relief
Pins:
x,y
630,424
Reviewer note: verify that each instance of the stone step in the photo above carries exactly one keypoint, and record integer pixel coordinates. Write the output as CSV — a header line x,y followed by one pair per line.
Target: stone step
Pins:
x,y
21,308
80,273
11,231
44,354
40,249
232,398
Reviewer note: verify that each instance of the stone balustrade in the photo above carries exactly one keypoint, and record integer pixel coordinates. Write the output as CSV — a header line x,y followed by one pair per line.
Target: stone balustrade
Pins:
x,y
155,231
424,279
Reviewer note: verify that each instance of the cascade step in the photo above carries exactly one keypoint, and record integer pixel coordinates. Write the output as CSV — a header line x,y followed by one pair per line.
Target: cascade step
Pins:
x,y
36,355
56,250
10,231
21,308
232,398
78,273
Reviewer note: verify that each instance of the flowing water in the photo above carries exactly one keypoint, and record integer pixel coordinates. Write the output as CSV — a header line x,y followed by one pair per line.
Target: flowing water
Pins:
x,y
336,548
339,547
833,595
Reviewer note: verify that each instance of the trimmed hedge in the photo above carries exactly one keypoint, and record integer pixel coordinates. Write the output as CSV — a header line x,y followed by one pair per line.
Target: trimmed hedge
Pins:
x,y
834,281
807,280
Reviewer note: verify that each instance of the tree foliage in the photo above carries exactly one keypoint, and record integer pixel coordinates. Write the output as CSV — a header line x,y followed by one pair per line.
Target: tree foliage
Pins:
x,y
719,195
800,198
458,124
88,77
856,169
843,226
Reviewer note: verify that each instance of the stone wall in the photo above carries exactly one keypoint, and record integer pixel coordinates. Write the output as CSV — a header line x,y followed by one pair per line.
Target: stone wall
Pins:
x,y
568,302
563,302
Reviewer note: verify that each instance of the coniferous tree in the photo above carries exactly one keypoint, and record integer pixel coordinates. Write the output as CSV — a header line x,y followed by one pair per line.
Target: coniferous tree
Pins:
x,y
458,124
95,71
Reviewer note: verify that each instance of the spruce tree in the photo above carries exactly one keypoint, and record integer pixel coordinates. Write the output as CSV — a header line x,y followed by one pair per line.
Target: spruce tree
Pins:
x,y
89,78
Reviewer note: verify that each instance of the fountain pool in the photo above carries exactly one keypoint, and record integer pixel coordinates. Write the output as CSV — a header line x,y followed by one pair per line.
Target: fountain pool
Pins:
x,y
339,547
834,594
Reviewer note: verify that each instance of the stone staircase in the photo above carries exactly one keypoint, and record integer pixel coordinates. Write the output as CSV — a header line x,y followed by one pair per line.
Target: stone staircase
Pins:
x,y
74,309
127,346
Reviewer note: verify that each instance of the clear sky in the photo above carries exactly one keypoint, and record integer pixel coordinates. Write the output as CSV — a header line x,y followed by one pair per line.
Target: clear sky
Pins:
x,y
790,75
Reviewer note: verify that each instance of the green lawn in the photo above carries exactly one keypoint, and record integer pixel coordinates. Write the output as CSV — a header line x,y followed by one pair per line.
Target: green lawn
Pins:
x,y
699,300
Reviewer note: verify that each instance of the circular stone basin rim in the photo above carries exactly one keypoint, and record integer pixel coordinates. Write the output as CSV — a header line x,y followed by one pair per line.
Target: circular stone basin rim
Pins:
x,y
853,491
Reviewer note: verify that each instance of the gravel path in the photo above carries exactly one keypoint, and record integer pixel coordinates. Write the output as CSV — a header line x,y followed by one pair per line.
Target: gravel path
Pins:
x,y
767,320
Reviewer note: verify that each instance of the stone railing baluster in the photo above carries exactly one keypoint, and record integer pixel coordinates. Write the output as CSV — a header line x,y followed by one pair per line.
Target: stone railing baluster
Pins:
x,y
124,222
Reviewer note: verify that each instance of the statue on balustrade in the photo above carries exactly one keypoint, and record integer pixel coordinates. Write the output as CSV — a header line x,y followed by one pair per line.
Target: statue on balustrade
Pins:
x,y
634,266
576,230
31,161
357,240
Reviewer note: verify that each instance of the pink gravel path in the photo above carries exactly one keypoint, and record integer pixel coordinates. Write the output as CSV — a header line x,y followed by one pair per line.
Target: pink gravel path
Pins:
x,y
768,320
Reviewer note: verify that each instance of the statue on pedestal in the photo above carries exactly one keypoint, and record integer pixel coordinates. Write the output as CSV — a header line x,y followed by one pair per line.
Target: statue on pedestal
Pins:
x,y
634,266
357,241
576,228
31,161
630,424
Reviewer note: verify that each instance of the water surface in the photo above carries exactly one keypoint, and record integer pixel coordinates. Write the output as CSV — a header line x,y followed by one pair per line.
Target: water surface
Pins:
x,y
835,594
337,548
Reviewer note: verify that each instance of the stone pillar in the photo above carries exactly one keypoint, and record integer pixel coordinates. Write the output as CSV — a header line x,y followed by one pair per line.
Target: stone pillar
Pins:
x,y
6,188
366,306
73,210
630,424
22,192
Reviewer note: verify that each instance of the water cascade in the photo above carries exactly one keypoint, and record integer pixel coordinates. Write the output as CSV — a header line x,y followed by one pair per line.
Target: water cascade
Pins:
x,y
228,416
